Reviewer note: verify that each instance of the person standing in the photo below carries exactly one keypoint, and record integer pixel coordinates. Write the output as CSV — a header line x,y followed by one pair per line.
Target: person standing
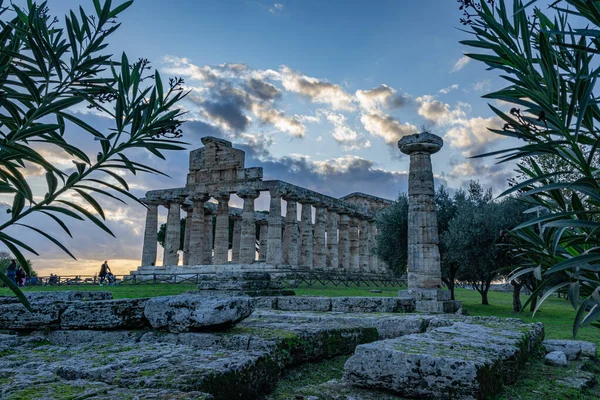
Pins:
x,y
104,269
11,271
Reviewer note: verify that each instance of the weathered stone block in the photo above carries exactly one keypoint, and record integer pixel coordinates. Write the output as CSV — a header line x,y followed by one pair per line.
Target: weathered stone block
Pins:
x,y
109,314
293,303
364,304
192,312
43,315
556,359
67,295
573,349
465,360
266,302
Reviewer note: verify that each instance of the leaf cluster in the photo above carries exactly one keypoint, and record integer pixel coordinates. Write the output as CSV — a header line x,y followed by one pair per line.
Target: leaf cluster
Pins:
x,y
549,60
48,68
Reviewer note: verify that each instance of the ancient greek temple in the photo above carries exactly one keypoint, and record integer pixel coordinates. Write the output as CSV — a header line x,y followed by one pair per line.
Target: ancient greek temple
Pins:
x,y
331,233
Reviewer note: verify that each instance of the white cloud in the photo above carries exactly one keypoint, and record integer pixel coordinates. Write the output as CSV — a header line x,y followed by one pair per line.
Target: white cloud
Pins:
x,y
277,118
449,89
276,7
386,127
460,64
473,133
345,136
318,91
382,96
482,86
439,112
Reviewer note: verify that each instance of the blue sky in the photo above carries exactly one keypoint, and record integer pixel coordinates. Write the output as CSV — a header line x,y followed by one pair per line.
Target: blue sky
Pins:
x,y
317,92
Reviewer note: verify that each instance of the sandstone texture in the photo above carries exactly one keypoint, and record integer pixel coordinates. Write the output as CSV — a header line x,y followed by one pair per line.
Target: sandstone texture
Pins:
x,y
463,360
191,312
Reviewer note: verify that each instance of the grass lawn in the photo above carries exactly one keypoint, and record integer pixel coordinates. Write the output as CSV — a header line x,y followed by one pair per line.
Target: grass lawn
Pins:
x,y
556,314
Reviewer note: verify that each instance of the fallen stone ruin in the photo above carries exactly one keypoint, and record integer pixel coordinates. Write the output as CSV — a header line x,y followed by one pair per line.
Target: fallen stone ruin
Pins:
x,y
198,346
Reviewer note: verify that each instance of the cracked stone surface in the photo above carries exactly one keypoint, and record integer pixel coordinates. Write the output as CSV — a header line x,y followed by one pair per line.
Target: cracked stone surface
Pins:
x,y
463,360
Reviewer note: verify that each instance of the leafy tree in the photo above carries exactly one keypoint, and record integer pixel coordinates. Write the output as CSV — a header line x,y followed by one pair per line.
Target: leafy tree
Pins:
x,y
392,241
446,209
549,60
49,66
472,240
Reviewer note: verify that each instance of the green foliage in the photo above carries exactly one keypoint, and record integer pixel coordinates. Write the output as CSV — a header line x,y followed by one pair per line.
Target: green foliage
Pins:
x,y
48,67
5,261
549,60
472,241
392,241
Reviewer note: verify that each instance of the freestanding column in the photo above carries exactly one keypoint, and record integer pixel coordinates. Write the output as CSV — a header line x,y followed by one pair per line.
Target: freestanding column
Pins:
x,y
344,243
198,230
209,236
248,232
262,237
353,237
186,235
424,271
306,232
319,245
222,229
290,235
173,233
150,233
363,244
332,239
274,232
236,239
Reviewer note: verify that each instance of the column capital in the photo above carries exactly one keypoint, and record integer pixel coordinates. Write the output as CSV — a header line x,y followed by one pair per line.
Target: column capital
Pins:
x,y
423,142
199,196
221,196
277,192
248,193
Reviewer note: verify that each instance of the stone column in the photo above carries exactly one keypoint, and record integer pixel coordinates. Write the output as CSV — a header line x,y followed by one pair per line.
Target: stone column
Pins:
x,y
319,244
150,233
306,232
248,232
198,230
290,237
353,237
209,236
274,230
344,241
373,260
424,269
262,237
332,239
173,233
222,229
363,244
186,234
236,239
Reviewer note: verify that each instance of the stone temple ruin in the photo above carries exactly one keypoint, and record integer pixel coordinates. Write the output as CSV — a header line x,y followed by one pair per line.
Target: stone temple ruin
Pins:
x,y
340,238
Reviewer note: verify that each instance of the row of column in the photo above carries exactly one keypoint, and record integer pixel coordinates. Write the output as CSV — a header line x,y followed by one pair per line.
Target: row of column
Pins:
x,y
336,239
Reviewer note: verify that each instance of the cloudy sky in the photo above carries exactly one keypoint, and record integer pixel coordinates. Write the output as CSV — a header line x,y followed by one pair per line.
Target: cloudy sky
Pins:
x,y
317,92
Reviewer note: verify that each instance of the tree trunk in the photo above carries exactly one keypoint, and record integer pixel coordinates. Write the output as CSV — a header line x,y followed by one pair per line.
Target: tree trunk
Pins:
x,y
516,295
451,288
484,297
